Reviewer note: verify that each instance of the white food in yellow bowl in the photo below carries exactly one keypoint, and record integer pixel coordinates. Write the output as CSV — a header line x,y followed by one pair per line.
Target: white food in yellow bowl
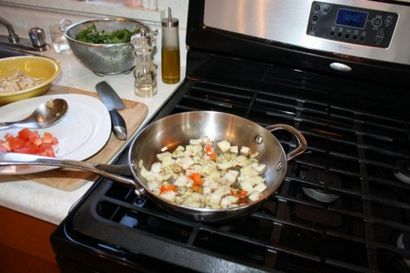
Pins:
x,y
26,76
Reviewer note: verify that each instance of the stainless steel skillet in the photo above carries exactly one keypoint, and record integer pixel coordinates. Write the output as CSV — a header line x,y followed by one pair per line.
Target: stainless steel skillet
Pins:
x,y
178,129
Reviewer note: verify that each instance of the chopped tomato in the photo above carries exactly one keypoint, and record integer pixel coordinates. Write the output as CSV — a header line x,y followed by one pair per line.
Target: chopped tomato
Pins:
x,y
49,138
33,148
196,177
7,136
35,138
16,143
46,150
4,147
167,187
24,134
29,142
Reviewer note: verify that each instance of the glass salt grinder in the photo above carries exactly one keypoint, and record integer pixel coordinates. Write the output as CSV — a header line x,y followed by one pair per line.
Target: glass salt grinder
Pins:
x,y
145,71
170,63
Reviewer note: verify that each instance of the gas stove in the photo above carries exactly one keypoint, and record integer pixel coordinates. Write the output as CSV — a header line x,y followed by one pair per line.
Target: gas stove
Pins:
x,y
344,205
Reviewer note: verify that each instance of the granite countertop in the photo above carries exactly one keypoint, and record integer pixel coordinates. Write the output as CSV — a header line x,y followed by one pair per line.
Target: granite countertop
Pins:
x,y
50,204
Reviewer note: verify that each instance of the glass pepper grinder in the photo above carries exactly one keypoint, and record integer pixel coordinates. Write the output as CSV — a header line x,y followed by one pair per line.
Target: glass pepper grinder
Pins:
x,y
145,71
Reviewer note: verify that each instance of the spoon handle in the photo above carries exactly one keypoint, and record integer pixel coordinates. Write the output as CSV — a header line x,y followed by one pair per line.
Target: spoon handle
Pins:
x,y
18,124
5,125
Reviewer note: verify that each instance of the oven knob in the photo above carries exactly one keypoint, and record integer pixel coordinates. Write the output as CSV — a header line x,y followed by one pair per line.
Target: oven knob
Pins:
x,y
340,67
388,21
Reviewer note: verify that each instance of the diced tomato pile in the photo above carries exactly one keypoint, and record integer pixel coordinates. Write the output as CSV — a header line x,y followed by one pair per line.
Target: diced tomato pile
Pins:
x,y
29,142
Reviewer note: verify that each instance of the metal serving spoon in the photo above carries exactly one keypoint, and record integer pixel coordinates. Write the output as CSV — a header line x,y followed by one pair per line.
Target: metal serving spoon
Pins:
x,y
45,115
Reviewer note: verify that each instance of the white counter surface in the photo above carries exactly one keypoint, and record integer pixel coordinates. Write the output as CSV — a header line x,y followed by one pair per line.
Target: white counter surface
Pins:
x,y
50,204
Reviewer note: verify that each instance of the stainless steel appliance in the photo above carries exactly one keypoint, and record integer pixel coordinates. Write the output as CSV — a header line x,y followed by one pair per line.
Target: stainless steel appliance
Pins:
x,y
345,203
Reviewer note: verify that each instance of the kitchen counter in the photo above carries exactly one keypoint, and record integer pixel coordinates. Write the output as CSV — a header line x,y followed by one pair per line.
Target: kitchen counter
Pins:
x,y
50,204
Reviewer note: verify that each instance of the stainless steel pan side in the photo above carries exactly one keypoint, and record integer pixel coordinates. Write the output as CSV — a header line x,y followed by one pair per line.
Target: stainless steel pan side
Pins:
x,y
178,129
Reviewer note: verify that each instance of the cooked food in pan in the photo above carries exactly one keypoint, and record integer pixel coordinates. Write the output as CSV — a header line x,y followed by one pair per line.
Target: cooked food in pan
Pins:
x,y
205,174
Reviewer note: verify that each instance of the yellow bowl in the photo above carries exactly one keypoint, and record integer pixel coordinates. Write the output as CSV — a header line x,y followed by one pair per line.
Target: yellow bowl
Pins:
x,y
33,66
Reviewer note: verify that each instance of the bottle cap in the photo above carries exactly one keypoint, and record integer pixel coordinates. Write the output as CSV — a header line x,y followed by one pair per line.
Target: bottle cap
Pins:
x,y
169,21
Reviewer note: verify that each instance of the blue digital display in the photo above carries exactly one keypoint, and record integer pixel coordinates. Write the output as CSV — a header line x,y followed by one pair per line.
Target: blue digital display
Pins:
x,y
351,18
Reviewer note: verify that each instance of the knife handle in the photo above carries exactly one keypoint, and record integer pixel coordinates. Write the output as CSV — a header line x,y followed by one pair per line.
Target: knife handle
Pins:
x,y
118,125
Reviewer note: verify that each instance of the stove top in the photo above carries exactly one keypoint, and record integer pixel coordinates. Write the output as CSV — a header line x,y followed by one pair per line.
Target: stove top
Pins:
x,y
344,205
341,208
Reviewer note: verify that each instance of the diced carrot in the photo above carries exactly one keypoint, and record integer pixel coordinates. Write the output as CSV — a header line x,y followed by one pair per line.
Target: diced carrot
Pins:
x,y
196,177
210,151
213,156
196,188
239,193
167,187
208,148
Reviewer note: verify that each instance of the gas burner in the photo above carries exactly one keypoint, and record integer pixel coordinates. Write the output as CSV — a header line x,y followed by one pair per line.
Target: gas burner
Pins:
x,y
402,172
323,177
403,242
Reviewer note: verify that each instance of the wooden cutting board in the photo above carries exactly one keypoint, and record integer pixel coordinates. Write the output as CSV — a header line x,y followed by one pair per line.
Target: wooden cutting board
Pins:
x,y
134,114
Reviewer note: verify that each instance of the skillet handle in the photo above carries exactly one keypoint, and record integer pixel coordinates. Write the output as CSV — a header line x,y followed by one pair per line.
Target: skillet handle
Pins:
x,y
112,172
302,144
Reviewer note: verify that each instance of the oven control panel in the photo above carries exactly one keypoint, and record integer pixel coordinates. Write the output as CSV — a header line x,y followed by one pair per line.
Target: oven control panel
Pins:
x,y
352,25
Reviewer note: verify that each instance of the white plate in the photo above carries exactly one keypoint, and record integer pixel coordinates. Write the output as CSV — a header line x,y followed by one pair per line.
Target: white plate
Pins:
x,y
82,132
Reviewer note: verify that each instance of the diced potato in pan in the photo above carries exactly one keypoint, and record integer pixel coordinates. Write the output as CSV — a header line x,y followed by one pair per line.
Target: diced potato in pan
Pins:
x,y
197,176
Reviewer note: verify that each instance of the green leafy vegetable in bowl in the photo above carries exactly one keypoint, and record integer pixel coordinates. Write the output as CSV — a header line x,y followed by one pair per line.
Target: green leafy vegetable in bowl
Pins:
x,y
90,34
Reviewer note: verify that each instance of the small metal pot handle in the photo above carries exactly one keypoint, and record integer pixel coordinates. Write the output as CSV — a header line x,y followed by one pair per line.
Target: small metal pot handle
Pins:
x,y
302,144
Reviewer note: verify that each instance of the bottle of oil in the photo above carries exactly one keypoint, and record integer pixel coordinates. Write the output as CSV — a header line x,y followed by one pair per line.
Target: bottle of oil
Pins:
x,y
170,64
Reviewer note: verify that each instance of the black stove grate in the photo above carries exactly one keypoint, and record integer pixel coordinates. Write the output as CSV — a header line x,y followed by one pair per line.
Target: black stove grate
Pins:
x,y
341,207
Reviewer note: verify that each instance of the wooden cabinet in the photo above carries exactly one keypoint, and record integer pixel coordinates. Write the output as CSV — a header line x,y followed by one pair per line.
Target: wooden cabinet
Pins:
x,y
25,244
